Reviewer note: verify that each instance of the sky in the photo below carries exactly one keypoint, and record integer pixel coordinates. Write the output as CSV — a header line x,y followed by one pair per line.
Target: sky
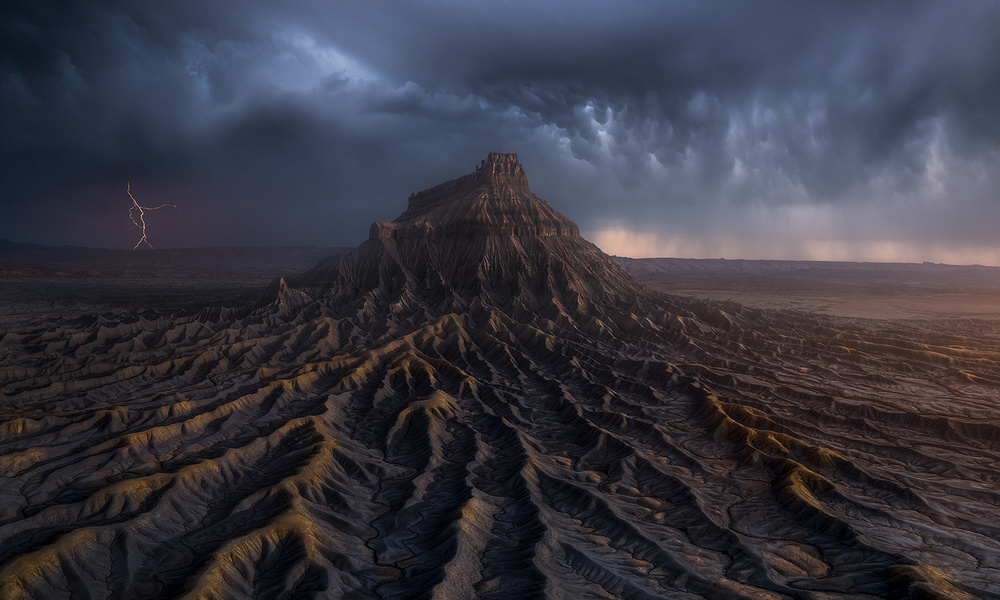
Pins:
x,y
839,130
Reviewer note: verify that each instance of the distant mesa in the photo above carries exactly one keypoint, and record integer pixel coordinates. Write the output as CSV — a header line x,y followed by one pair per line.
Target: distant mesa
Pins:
x,y
8,246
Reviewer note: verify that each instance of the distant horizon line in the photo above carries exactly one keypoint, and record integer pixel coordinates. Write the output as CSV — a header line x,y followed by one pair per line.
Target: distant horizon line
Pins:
x,y
8,246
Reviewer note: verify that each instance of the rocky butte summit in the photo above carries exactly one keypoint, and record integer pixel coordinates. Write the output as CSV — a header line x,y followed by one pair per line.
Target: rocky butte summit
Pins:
x,y
480,240
476,402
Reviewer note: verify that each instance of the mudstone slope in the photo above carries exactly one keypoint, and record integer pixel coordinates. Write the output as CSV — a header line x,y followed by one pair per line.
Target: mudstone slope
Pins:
x,y
478,403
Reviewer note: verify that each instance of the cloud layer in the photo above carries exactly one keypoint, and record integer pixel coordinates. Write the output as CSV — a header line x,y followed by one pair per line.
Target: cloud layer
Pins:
x,y
844,130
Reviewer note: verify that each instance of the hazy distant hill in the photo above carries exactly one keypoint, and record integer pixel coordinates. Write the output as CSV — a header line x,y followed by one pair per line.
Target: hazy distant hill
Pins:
x,y
821,271
9,246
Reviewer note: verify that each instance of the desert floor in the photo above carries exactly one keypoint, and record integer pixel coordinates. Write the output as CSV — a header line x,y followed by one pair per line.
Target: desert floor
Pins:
x,y
168,429
864,290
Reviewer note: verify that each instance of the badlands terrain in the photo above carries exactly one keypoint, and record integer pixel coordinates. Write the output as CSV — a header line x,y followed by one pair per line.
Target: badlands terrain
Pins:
x,y
476,402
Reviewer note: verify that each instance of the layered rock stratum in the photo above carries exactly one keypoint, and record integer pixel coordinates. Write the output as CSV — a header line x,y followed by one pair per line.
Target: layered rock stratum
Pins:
x,y
478,403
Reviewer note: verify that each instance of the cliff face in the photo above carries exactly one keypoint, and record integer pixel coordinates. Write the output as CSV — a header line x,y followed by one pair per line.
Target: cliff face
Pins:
x,y
485,237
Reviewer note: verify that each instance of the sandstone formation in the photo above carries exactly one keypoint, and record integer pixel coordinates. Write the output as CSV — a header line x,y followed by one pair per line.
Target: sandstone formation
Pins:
x,y
478,403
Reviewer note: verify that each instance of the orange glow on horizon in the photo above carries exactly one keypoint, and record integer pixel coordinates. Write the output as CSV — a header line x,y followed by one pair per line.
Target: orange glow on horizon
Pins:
x,y
623,241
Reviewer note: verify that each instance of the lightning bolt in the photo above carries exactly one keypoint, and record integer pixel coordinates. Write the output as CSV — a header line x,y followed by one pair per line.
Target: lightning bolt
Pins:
x,y
139,211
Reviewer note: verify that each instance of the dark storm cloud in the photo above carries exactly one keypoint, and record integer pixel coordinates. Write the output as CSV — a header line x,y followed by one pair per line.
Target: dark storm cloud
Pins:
x,y
300,124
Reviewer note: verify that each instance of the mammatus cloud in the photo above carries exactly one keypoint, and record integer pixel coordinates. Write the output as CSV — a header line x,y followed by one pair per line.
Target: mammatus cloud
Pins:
x,y
943,213
782,130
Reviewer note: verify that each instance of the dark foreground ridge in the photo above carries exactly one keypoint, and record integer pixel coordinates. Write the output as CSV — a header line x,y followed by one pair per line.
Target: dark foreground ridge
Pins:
x,y
478,403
